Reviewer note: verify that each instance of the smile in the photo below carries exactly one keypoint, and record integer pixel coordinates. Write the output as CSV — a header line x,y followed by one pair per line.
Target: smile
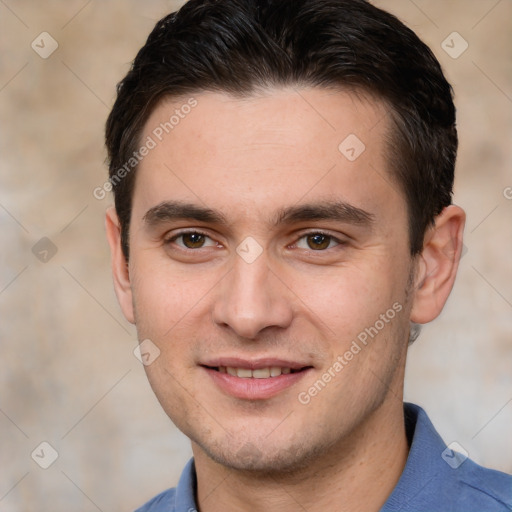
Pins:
x,y
260,373
259,380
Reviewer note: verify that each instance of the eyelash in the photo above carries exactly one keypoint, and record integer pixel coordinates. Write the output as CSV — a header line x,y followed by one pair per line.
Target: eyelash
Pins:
x,y
174,237
322,233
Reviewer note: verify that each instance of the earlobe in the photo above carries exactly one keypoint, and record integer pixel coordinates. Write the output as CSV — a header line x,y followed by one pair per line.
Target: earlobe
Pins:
x,y
120,270
437,264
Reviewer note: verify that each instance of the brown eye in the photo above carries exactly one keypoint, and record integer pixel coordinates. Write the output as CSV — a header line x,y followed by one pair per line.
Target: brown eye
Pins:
x,y
318,241
191,245
193,240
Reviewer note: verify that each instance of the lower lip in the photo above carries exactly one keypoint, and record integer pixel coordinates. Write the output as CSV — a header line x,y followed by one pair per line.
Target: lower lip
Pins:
x,y
251,388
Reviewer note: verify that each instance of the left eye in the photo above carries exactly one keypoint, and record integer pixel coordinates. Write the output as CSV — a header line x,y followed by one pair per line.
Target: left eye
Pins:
x,y
317,241
193,240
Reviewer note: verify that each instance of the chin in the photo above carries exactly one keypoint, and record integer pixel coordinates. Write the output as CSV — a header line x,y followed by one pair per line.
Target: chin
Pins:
x,y
264,459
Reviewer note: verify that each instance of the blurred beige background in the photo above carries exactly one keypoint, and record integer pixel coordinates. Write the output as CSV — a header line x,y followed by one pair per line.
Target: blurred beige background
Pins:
x,y
67,370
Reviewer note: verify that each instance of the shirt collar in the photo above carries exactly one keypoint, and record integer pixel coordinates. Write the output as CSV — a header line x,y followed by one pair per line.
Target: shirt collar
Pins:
x,y
186,489
424,465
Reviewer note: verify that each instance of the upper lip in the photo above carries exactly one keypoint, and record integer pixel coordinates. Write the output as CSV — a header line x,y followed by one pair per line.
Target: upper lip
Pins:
x,y
254,364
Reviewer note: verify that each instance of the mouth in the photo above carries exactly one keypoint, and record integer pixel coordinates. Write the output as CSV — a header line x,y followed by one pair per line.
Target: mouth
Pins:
x,y
267,372
254,380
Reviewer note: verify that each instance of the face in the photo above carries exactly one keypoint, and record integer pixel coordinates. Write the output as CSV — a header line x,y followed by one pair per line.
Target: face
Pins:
x,y
270,267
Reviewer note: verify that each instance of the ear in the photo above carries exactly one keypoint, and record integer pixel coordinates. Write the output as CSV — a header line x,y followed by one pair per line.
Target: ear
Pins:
x,y
437,264
120,271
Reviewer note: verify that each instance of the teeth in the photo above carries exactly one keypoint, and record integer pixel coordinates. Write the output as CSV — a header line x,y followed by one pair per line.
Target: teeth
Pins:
x,y
275,371
260,373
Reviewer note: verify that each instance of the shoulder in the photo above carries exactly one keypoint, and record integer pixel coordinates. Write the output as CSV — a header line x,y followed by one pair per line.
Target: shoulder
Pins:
x,y
163,502
439,477
470,488
462,483
483,487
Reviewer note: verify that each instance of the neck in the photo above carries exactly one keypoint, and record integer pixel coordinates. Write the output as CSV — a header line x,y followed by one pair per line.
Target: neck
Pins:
x,y
357,474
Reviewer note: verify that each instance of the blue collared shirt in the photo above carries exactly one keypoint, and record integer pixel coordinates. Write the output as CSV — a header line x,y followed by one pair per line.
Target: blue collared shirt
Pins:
x,y
435,479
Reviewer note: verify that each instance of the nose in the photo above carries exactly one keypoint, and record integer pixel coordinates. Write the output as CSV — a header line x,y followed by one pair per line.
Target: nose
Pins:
x,y
252,298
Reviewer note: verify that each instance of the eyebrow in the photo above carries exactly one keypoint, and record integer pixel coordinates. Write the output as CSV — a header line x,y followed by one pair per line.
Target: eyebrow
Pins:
x,y
339,211
176,210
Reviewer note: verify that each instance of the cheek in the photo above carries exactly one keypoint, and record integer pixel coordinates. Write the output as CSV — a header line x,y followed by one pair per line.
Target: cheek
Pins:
x,y
345,300
166,300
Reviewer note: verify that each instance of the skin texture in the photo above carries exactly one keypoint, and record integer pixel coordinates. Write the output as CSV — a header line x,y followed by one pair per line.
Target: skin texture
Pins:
x,y
248,159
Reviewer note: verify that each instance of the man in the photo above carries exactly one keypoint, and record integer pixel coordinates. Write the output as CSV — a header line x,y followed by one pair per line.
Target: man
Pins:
x,y
282,172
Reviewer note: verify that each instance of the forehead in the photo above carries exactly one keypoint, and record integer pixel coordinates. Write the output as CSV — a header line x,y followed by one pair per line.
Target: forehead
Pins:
x,y
275,148
291,113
